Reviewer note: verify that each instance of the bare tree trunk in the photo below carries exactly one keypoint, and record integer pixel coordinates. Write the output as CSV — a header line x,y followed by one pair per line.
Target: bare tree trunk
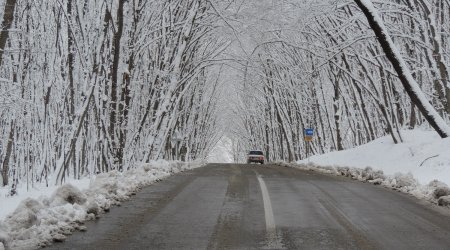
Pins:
x,y
68,152
8,18
404,74
5,168
70,63
115,75
413,118
337,115
384,109
125,97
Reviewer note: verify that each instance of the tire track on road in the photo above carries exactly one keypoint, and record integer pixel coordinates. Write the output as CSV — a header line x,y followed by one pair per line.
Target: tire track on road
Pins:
x,y
228,232
330,204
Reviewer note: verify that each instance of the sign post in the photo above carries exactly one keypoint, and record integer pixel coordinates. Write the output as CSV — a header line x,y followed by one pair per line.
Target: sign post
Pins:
x,y
309,133
176,139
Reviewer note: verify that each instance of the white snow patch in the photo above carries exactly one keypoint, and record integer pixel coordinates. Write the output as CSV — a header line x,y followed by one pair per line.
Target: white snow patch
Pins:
x,y
10,203
35,219
423,154
420,166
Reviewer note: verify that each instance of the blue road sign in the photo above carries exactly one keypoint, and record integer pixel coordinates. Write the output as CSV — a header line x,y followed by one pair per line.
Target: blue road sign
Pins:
x,y
309,131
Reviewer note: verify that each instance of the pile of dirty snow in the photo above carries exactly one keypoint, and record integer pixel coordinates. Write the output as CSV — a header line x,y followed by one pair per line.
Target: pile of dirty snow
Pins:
x,y
37,222
419,166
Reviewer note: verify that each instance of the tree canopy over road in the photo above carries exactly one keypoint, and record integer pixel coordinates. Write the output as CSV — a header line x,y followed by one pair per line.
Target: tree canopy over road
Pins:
x,y
91,86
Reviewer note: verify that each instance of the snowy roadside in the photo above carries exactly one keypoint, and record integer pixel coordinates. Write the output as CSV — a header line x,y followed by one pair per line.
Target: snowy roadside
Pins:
x,y
435,192
37,222
419,166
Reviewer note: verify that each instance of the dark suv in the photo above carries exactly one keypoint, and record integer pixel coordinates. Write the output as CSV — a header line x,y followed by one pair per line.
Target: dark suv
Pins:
x,y
255,156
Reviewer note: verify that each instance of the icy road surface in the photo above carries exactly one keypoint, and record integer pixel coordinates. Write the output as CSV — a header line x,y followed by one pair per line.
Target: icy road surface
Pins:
x,y
224,206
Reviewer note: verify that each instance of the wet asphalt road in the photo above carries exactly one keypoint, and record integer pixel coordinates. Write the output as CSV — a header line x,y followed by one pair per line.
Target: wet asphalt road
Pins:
x,y
224,206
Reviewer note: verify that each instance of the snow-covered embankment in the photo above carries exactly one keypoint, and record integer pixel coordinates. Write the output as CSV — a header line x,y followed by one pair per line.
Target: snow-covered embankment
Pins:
x,y
39,221
419,166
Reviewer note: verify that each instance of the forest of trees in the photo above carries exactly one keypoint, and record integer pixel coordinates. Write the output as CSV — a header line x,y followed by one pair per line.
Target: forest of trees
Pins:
x,y
321,66
90,86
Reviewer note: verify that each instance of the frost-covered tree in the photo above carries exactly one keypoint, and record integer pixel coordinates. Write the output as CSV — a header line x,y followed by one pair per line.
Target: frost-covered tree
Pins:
x,y
93,86
404,74
318,64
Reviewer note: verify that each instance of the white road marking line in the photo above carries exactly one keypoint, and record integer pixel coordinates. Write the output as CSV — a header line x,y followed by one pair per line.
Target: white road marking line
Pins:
x,y
273,241
268,212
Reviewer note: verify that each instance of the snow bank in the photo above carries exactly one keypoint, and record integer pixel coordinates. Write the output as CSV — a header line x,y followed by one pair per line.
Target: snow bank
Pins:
x,y
420,166
435,192
37,222
405,183
423,154
10,203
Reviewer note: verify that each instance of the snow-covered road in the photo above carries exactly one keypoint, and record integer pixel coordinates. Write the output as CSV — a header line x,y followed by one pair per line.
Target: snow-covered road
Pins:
x,y
222,206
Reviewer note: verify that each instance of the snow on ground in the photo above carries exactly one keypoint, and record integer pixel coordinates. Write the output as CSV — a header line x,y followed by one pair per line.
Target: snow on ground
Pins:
x,y
419,166
41,215
423,154
10,203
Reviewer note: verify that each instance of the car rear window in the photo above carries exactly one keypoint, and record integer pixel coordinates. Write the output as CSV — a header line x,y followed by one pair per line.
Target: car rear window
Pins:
x,y
255,153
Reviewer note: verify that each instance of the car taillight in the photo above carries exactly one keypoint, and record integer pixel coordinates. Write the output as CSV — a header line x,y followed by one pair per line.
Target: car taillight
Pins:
x,y
261,158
